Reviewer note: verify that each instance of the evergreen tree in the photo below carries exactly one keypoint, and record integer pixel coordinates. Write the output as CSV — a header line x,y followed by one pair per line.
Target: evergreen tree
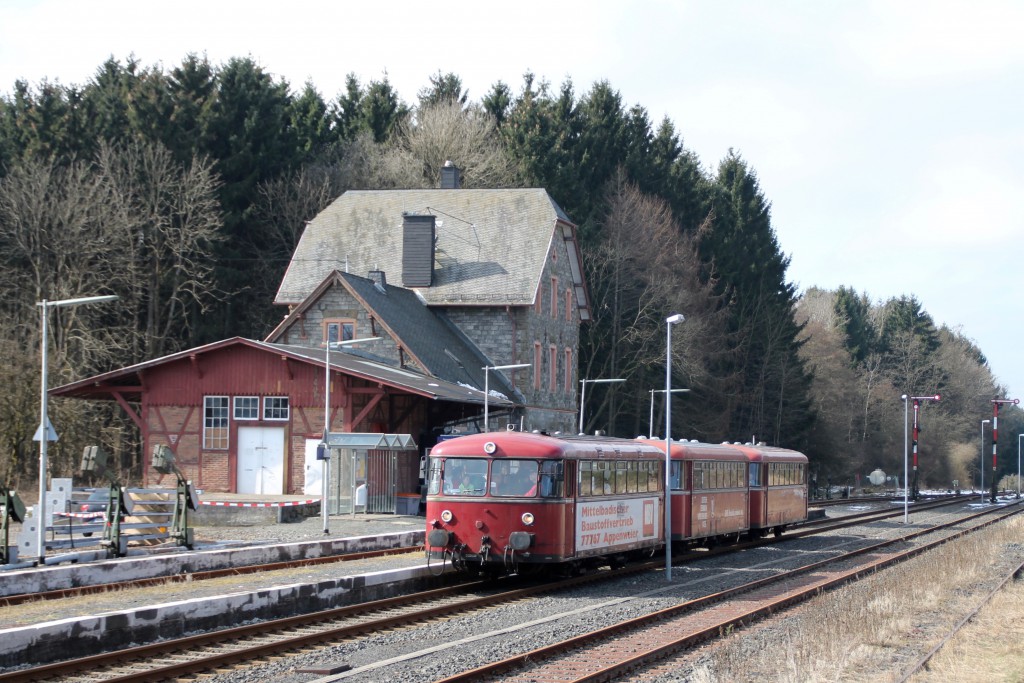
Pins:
x,y
381,111
770,400
498,102
193,90
443,88
859,333
309,119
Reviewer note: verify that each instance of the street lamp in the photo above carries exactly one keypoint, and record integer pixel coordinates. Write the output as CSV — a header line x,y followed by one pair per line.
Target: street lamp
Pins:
x,y
669,322
46,433
650,423
325,464
583,393
981,468
487,386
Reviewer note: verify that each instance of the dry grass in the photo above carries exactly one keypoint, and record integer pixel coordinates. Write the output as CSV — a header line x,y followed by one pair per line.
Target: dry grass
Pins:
x,y
876,629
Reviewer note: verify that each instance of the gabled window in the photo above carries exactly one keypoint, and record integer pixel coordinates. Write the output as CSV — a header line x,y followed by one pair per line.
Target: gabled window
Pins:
x,y
247,407
568,305
275,408
338,330
215,422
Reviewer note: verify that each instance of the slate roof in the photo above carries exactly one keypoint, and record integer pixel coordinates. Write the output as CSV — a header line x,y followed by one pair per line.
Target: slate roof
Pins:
x,y
426,335
490,249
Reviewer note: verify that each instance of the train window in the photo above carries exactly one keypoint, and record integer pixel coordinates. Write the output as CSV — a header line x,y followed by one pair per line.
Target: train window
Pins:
x,y
434,478
604,479
552,479
465,476
621,476
514,478
676,470
755,474
631,477
586,488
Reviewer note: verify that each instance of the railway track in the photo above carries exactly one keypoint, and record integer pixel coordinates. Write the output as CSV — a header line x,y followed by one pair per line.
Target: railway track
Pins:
x,y
612,652
223,649
79,591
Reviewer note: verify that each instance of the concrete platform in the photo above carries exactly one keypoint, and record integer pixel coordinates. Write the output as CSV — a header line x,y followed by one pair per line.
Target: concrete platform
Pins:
x,y
61,638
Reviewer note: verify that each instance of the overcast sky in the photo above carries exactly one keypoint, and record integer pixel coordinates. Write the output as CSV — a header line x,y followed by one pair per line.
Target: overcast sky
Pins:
x,y
888,136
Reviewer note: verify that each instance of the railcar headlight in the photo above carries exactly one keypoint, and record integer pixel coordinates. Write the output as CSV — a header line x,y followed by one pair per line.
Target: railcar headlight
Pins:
x,y
447,516
490,447
528,518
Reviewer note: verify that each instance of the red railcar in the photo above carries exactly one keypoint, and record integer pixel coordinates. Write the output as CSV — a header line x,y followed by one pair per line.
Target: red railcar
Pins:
x,y
505,500
710,499
722,491
778,488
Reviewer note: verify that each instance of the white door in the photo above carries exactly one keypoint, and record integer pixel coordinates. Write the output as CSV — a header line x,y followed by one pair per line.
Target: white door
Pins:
x,y
314,470
261,460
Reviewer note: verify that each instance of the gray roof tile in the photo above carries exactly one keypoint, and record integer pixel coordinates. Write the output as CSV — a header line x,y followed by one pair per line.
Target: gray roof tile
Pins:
x,y
491,244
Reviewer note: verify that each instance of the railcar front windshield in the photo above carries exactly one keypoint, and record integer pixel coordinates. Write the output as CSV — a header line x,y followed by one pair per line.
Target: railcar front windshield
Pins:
x,y
508,478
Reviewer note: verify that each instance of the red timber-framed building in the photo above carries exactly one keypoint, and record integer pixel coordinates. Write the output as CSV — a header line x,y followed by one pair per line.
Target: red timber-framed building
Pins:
x,y
238,404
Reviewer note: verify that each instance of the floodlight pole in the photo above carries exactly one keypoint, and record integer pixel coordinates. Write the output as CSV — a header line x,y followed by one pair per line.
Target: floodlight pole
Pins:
x,y
487,385
669,322
583,393
996,402
43,434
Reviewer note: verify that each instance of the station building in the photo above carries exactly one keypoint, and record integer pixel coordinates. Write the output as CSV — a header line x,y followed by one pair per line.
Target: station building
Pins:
x,y
446,282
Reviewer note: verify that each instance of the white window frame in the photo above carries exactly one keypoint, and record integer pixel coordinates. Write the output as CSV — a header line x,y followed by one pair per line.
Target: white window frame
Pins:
x,y
249,411
268,409
208,418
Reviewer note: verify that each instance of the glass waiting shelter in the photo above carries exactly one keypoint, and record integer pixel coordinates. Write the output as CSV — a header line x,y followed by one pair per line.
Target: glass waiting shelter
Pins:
x,y
371,472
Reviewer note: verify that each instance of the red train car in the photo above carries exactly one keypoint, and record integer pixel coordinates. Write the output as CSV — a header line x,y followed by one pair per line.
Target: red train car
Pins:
x,y
710,497
723,491
778,488
506,500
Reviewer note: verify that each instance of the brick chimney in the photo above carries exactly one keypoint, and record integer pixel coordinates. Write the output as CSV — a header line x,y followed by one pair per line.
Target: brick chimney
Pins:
x,y
418,234
450,178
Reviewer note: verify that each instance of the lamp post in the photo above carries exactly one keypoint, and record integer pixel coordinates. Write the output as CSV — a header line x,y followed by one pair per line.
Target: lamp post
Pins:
x,y
981,464
669,322
487,386
583,393
325,464
906,482
43,434
650,423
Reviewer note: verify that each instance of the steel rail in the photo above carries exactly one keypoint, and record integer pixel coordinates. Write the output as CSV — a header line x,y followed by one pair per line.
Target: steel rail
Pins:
x,y
509,666
923,661
189,644
60,593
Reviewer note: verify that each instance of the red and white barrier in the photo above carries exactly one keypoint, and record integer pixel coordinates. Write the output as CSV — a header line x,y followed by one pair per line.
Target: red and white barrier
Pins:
x,y
259,505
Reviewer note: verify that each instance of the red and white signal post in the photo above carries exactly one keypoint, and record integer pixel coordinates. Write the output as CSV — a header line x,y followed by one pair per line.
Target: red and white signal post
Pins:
x,y
996,402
